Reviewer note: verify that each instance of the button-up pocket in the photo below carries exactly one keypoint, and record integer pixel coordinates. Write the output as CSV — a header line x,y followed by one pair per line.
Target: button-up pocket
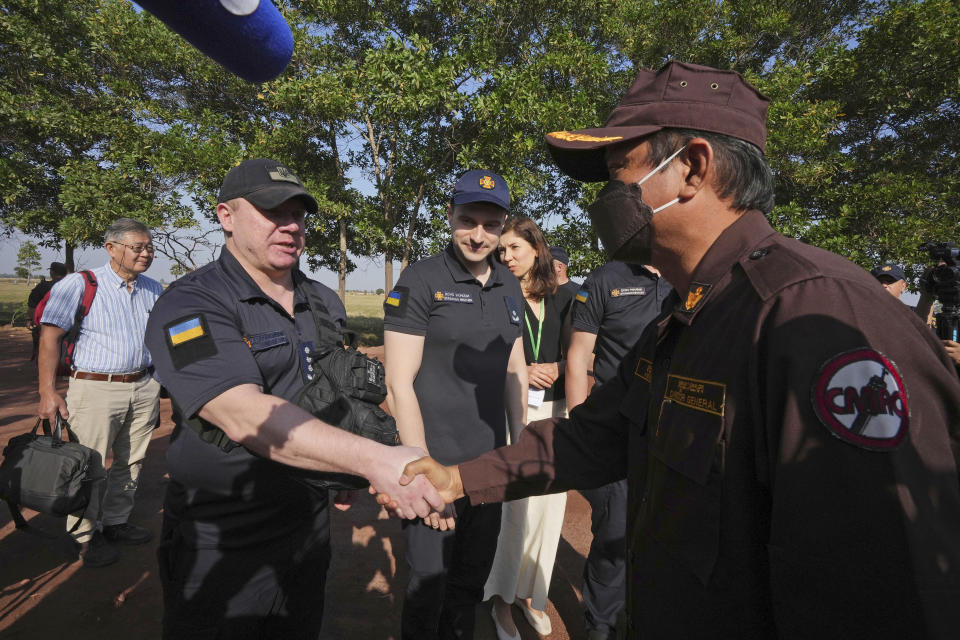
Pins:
x,y
686,496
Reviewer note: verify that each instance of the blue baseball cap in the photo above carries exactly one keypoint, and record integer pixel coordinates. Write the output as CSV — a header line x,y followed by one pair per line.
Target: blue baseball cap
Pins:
x,y
479,185
559,253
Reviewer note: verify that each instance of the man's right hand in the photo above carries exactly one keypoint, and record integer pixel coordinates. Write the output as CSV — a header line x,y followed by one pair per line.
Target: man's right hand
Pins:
x,y
411,499
51,403
445,479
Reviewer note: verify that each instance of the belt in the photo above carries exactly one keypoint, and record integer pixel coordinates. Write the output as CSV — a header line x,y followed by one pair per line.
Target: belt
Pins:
x,y
109,377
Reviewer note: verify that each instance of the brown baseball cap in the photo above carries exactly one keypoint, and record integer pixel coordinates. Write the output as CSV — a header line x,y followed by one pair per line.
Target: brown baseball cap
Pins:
x,y
678,96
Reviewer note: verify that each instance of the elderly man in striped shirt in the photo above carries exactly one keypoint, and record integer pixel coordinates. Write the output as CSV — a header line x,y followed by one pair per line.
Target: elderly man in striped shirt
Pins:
x,y
112,402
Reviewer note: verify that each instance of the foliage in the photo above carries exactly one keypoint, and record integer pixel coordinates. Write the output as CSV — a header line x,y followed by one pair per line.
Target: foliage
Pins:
x,y
106,113
28,260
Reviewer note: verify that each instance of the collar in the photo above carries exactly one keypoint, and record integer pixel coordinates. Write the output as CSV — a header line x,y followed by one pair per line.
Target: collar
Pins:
x,y
247,288
710,276
114,280
459,273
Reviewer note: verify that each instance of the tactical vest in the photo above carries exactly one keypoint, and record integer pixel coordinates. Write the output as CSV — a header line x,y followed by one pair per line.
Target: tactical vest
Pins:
x,y
345,393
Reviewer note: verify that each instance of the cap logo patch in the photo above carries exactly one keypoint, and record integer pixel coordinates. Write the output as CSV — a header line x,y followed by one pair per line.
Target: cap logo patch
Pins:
x,y
487,182
861,398
282,174
569,136
886,267
695,296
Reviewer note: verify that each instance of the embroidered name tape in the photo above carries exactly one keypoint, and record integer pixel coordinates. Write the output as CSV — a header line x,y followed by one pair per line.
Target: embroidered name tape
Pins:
x,y
701,395
453,296
861,398
628,291
186,331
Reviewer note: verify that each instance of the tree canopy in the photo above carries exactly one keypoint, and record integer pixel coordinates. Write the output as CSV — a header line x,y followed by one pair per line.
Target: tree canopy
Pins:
x,y
105,113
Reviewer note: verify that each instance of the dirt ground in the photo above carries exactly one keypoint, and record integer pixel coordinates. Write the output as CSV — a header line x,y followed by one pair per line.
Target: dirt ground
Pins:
x,y
44,595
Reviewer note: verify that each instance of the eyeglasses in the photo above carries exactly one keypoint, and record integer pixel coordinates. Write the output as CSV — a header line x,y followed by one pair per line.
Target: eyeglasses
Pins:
x,y
138,248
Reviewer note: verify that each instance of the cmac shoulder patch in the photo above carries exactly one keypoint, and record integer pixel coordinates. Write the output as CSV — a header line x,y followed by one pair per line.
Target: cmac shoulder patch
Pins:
x,y
189,340
861,398
395,304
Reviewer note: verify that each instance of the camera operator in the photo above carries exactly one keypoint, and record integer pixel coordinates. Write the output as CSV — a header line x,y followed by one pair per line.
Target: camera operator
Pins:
x,y
942,283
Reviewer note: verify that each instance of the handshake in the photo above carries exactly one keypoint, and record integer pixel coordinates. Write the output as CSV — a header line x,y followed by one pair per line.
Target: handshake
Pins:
x,y
426,489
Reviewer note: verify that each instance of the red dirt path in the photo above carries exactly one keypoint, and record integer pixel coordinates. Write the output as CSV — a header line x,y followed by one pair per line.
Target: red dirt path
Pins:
x,y
44,595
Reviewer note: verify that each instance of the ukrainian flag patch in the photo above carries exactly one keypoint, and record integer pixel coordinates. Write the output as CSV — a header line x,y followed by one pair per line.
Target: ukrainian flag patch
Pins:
x,y
582,295
186,331
395,304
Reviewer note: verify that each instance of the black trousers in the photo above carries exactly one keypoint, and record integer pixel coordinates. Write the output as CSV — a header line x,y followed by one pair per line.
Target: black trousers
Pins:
x,y
271,591
448,570
605,572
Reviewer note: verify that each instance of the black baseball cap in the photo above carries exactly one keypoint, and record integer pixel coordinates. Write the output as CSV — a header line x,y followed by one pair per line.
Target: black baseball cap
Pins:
x,y
678,96
479,185
559,253
888,270
265,183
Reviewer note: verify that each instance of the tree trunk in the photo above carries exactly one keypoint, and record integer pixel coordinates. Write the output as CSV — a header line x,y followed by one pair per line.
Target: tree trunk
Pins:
x,y
387,271
342,266
68,256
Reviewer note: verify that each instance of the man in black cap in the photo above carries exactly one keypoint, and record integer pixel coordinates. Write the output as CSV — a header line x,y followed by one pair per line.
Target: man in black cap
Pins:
x,y
455,366
561,259
788,431
245,543
892,277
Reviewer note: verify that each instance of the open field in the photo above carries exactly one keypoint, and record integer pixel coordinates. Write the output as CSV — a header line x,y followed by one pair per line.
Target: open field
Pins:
x,y
13,296
364,310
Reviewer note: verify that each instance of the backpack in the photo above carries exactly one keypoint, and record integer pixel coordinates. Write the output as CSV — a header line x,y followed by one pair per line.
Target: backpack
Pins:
x,y
69,342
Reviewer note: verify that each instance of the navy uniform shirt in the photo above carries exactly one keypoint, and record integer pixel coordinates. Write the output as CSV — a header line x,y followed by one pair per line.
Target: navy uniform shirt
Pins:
x,y
469,330
210,331
790,436
616,303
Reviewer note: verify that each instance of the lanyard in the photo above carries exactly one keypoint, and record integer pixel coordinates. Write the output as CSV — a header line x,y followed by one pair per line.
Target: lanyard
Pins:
x,y
536,344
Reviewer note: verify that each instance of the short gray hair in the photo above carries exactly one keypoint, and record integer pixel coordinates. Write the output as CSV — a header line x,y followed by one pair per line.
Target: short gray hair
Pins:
x,y
123,226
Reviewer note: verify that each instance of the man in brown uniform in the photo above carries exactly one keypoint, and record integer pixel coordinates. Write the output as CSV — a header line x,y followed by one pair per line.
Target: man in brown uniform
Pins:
x,y
789,431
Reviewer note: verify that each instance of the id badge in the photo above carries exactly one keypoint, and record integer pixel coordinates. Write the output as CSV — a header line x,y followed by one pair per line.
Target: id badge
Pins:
x,y
535,397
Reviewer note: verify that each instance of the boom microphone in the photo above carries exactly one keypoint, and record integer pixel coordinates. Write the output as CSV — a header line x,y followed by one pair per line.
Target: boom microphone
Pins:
x,y
248,37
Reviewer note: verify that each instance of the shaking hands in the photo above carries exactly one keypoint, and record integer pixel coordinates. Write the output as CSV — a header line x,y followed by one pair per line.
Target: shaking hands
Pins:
x,y
443,481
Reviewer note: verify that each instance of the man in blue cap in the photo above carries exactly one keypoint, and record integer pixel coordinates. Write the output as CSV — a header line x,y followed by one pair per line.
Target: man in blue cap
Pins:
x,y
455,368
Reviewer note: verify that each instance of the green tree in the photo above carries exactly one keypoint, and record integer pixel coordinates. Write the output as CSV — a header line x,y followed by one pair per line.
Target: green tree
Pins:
x,y
28,260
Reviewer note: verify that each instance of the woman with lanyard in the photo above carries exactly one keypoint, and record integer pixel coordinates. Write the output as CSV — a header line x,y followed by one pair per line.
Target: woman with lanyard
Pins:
x,y
530,529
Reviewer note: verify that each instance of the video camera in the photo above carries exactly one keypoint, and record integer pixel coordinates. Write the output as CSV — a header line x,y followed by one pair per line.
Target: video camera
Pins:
x,y
943,281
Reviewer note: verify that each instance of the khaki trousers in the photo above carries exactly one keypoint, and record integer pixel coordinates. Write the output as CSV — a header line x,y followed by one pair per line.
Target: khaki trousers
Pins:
x,y
117,417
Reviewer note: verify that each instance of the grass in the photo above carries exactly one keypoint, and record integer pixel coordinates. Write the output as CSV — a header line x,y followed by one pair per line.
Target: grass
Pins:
x,y
13,300
364,310
365,317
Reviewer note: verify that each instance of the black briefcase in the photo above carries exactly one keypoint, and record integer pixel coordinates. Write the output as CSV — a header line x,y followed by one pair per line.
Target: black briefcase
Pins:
x,y
46,473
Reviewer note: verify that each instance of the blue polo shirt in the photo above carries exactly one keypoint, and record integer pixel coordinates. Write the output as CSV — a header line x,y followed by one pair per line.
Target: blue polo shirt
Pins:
x,y
469,330
212,330
617,302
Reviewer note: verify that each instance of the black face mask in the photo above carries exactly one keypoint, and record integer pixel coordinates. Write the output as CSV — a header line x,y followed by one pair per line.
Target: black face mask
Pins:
x,y
622,219
622,222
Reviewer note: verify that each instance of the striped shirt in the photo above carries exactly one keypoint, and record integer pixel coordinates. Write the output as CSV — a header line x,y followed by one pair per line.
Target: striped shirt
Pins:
x,y
111,336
